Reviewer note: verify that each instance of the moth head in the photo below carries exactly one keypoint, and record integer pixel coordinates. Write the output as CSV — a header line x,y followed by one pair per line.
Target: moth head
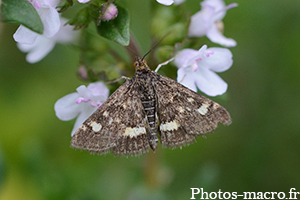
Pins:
x,y
141,65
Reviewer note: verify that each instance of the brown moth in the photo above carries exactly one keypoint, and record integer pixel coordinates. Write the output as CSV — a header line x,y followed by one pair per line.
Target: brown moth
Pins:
x,y
145,109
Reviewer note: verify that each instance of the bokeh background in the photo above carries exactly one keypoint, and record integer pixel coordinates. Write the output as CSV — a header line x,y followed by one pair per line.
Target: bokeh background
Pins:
x,y
259,151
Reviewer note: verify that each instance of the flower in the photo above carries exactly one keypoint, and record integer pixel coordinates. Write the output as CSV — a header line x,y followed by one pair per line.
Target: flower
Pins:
x,y
38,46
81,104
166,2
208,22
199,67
83,1
43,44
50,19
110,12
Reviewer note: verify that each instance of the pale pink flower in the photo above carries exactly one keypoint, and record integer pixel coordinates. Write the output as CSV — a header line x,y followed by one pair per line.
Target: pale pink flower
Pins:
x,y
208,21
43,44
197,68
166,2
49,17
81,104
84,1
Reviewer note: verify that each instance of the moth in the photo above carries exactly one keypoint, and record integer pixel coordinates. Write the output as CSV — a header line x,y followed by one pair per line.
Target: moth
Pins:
x,y
144,110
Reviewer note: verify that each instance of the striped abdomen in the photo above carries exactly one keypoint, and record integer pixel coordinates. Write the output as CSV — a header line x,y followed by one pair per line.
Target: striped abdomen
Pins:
x,y
149,107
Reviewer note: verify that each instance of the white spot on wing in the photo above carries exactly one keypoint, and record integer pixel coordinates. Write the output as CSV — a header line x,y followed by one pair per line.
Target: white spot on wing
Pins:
x,y
203,109
190,99
216,105
169,126
171,99
180,109
83,127
133,132
95,126
105,114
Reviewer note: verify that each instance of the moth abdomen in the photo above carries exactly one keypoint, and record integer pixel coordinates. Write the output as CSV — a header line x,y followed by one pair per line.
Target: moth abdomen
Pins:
x,y
150,109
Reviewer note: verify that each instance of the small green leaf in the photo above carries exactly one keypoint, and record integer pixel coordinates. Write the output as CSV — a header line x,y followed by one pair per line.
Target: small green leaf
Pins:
x,y
21,12
82,19
65,5
70,2
118,29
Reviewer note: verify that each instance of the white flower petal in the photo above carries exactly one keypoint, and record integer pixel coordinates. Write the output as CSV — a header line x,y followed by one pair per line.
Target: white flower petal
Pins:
x,y
83,91
198,56
51,21
182,58
219,61
25,48
200,22
98,89
218,6
165,2
52,3
186,78
38,50
217,37
83,1
210,83
25,35
66,33
66,107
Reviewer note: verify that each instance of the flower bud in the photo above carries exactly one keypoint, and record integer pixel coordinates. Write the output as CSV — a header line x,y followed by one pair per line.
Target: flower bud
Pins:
x,y
109,12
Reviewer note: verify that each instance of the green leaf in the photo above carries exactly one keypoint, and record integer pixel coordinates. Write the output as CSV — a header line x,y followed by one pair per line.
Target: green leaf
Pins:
x,y
84,16
118,29
65,5
21,12
82,19
70,2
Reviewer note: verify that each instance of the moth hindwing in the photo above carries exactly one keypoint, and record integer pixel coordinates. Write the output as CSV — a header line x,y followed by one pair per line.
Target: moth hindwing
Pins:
x,y
147,108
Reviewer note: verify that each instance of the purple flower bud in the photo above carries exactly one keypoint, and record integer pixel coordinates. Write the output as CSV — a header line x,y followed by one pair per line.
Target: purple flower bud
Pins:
x,y
110,12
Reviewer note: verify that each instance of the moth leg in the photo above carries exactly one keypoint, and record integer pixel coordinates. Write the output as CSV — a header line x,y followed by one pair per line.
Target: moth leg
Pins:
x,y
114,81
164,63
182,78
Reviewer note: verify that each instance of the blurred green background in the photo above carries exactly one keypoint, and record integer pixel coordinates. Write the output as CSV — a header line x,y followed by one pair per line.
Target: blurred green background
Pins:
x,y
259,151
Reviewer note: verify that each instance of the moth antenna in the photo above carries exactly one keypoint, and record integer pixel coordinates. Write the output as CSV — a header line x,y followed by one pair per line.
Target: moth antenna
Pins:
x,y
155,46
132,51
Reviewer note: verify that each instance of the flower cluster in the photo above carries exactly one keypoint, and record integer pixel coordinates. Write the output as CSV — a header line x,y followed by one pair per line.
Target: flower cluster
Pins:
x,y
196,68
